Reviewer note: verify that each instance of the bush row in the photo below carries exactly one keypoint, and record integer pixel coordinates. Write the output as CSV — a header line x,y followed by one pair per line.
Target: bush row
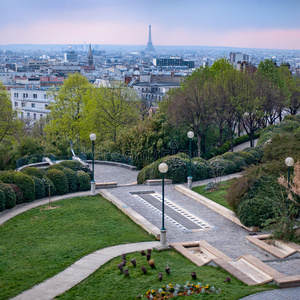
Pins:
x,y
227,145
178,166
32,183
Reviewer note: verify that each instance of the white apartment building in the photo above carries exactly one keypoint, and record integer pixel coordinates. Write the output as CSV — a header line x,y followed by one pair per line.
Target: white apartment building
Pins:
x,y
31,103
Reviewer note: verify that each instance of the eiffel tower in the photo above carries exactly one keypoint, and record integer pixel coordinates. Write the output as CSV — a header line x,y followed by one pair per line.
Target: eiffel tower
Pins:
x,y
149,47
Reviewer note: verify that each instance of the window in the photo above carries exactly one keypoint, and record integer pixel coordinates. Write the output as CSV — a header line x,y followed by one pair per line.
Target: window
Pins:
x,y
34,96
41,115
32,105
46,106
16,95
34,116
23,104
16,104
28,115
22,115
45,96
25,95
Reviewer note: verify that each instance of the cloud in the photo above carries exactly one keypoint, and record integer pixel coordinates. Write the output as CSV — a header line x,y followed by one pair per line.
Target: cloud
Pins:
x,y
134,32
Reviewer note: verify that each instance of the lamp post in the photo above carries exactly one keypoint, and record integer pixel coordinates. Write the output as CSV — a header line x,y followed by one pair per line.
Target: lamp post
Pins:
x,y
163,168
93,138
190,135
289,161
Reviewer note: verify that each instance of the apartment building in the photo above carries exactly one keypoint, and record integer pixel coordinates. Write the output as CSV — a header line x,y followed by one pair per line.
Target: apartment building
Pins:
x,y
31,103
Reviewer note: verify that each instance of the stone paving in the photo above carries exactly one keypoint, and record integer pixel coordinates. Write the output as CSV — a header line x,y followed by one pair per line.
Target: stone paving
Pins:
x,y
224,235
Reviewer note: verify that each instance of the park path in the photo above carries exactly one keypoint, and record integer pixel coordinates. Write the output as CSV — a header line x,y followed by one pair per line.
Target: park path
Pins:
x,y
224,235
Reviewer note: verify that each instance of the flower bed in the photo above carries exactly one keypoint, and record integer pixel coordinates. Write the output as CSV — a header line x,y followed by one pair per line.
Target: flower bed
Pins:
x,y
169,291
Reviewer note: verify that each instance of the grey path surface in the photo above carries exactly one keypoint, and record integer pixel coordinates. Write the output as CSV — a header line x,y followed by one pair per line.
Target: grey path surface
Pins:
x,y
77,272
224,235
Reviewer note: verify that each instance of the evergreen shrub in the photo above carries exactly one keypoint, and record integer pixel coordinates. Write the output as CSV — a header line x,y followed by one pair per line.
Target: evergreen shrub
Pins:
x,y
59,180
33,171
72,179
39,187
255,211
23,181
83,181
2,200
10,196
18,193
47,182
77,166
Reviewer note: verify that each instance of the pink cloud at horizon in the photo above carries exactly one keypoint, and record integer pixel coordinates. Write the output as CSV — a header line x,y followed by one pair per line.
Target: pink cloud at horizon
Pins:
x,y
136,33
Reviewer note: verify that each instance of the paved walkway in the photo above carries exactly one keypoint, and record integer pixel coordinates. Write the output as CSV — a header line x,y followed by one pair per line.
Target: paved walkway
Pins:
x,y
224,235
80,270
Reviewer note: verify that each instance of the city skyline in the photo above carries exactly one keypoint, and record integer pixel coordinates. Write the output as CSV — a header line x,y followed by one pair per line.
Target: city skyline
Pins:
x,y
269,24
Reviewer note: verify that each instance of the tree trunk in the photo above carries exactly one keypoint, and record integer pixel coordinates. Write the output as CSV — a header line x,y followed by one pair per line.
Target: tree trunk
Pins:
x,y
199,144
221,135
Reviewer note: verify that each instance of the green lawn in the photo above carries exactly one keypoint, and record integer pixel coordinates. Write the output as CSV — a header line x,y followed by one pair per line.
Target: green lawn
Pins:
x,y
40,243
216,195
108,282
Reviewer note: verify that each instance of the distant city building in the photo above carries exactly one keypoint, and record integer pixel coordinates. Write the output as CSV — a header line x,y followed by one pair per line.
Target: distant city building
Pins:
x,y
153,88
70,55
150,48
90,58
50,81
236,57
173,61
31,103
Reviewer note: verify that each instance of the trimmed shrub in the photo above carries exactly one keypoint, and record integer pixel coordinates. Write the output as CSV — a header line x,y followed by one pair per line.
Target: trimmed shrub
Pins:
x,y
2,200
256,152
83,181
23,181
47,182
255,211
18,193
10,197
39,187
33,171
70,174
77,166
248,157
72,179
237,191
59,180
201,169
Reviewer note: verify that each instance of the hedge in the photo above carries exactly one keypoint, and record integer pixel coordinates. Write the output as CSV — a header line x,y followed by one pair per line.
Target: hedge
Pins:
x,y
77,166
33,171
228,163
23,181
255,211
2,200
10,197
84,181
18,193
47,182
59,180
70,174
39,187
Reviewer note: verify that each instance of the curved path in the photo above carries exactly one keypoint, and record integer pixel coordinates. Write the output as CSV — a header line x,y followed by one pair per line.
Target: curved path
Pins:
x,y
224,235
80,270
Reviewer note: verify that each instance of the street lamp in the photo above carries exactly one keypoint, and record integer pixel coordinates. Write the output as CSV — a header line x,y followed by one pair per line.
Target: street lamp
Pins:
x,y
93,138
190,135
163,168
289,161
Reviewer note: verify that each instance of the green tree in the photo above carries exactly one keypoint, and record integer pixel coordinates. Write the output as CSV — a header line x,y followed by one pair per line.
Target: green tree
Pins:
x,y
10,125
190,105
110,110
67,111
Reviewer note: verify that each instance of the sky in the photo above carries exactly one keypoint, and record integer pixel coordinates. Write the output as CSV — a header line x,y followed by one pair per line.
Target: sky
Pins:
x,y
270,24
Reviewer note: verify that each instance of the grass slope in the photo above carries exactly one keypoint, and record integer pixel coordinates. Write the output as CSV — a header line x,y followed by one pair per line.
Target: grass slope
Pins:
x,y
40,243
108,282
216,195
